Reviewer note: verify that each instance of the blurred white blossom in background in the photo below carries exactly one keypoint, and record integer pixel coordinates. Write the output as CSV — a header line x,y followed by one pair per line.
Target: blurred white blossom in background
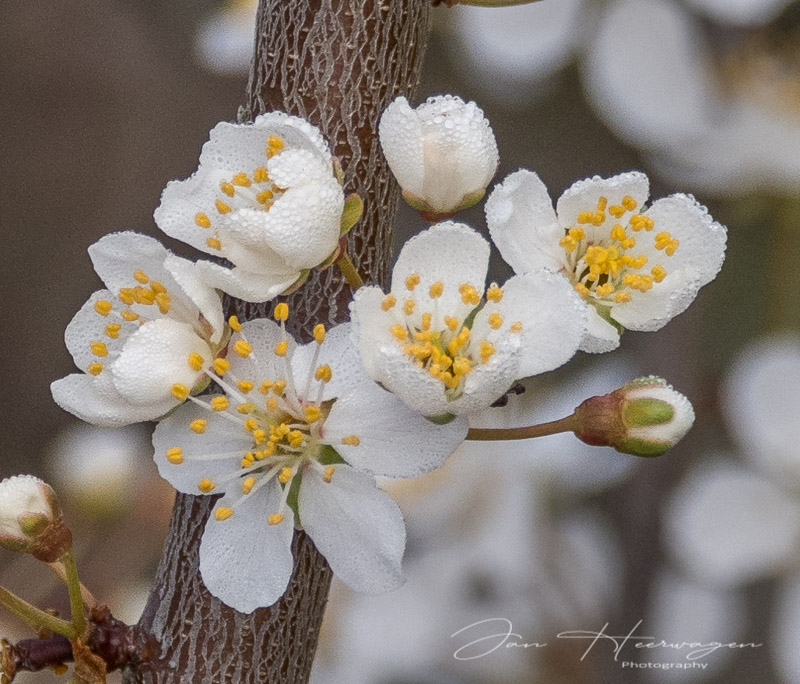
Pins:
x,y
224,41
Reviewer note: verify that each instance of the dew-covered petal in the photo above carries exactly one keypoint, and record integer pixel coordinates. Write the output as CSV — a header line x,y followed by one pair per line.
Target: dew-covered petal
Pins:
x,y
155,358
263,335
117,256
219,436
88,326
523,223
401,140
247,285
489,381
356,526
370,326
449,252
297,167
96,400
202,295
419,390
600,336
393,440
244,561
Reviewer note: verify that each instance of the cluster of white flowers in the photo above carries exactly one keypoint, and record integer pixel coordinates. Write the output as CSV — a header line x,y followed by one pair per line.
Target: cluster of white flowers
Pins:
x,y
292,435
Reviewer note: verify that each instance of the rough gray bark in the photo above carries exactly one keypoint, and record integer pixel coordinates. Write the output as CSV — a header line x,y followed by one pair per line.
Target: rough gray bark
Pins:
x,y
337,63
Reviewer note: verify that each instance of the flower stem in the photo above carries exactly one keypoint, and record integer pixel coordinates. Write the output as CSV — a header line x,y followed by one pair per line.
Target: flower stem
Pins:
x,y
75,595
58,569
349,271
542,430
35,618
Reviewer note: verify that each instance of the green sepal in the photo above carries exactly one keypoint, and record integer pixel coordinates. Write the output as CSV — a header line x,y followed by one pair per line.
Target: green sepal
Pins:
x,y
605,313
353,209
33,524
641,412
641,447
291,499
297,283
471,200
329,456
441,419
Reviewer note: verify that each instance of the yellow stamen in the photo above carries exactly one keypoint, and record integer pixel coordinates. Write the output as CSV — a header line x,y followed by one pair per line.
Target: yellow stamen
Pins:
x,y
274,145
112,330
219,404
629,203
494,293
388,302
222,208
451,323
659,273
205,485
436,289
251,425
227,188
312,413
233,321
99,348
223,513
180,391
129,315
319,333
279,387
245,386
163,302
198,426
281,348
281,312
408,306
175,455
486,351
126,295
495,320
285,475
140,276
202,220
95,368
516,327
196,362
351,440
260,175
246,407
247,485
241,180
275,519
265,386
103,307
399,332
221,366
323,373
412,281
213,243
328,474
622,297
242,348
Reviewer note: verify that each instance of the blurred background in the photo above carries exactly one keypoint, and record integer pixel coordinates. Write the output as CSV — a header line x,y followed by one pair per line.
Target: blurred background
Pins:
x,y
102,102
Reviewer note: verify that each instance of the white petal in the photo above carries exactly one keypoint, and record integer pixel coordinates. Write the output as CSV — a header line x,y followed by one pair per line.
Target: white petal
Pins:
x,y
88,326
400,134
262,335
245,562
297,167
489,381
785,632
716,525
452,253
221,436
393,439
243,241
97,401
600,336
247,285
523,223
370,326
553,319
584,195
199,293
356,526
154,358
422,392
116,256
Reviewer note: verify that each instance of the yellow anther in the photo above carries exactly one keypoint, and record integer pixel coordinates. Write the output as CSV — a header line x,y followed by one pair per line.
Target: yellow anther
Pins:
x,y
598,219
275,519
451,323
221,366
202,220
659,273
175,455
627,243
179,391
196,361
516,327
103,307
222,208
112,330
461,365
585,217
295,438
265,386
622,297
246,407
605,290
129,315
205,485
328,474
323,373
95,368
281,348
233,321
242,348
264,197
412,281
260,175
244,386
436,289
602,203
126,295
241,180
399,332
163,302
213,243
671,247
142,296
425,323
245,463
616,210
495,320
274,145
469,295
251,425
140,276
285,475
219,404
312,413
99,348
629,203
581,289
319,333
450,381
458,341
408,306
388,302
223,513
618,233
279,387
247,485
351,440
198,426
281,312
568,243
227,188
486,351
260,436
662,239
494,293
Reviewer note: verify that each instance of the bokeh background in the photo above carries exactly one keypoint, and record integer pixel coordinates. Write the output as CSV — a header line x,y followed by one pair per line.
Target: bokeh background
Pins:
x,y
102,102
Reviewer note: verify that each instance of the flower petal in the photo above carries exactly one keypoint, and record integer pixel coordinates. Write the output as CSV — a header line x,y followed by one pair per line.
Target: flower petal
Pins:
x,y
394,440
203,296
247,285
370,326
600,336
523,223
116,256
88,326
262,335
401,139
245,562
419,390
356,526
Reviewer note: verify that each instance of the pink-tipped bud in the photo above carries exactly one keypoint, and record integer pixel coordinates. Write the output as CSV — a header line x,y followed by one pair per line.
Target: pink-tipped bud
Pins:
x,y
646,417
31,520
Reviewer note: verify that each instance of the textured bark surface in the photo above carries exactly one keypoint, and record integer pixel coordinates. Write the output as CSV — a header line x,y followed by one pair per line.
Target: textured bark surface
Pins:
x,y
337,63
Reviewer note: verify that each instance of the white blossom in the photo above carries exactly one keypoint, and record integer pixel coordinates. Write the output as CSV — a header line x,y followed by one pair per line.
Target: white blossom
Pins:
x,y
224,41
443,153
443,342
300,429
266,198
143,343
634,267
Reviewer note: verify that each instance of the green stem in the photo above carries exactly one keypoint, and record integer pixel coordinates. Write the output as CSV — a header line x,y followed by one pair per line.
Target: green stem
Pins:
x,y
35,618
542,430
349,271
75,597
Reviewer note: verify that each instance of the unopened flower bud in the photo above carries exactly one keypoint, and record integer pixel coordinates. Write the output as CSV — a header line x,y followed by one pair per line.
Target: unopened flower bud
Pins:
x,y
31,520
443,153
644,418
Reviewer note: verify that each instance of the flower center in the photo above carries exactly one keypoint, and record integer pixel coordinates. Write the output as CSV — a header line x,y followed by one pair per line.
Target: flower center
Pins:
x,y
442,343
243,190
603,266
